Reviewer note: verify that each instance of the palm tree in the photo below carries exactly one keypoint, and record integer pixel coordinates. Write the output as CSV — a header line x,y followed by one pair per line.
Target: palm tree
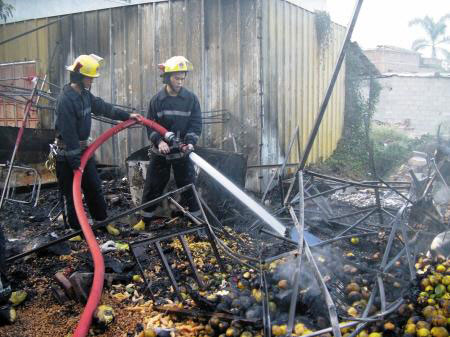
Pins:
x,y
436,34
5,10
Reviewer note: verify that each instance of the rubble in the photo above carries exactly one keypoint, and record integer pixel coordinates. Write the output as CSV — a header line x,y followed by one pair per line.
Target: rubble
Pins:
x,y
202,277
366,198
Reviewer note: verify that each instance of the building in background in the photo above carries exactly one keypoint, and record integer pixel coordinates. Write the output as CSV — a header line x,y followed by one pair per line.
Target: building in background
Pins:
x,y
415,91
389,59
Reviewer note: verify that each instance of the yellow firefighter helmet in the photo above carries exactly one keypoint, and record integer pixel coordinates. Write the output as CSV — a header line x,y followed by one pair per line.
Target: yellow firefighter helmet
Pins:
x,y
176,64
86,65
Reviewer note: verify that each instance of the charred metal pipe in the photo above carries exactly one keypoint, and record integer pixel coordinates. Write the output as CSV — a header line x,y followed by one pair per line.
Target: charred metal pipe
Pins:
x,y
382,293
364,184
357,223
412,270
300,226
400,254
141,270
365,313
323,243
392,307
395,224
330,329
328,192
269,184
328,300
266,312
281,171
364,210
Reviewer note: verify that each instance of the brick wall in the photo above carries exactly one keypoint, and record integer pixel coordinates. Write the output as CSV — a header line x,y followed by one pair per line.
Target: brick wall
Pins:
x,y
394,61
416,104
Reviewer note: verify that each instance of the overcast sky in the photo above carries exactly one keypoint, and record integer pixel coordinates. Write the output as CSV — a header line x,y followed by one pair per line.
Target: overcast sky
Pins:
x,y
386,21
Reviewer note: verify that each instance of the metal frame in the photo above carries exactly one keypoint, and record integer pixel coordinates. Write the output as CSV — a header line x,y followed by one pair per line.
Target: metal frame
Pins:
x,y
97,225
380,273
27,109
156,241
35,192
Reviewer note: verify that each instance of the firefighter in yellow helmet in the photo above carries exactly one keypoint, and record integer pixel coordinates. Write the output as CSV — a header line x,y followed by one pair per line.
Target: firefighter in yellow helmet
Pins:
x,y
178,110
74,107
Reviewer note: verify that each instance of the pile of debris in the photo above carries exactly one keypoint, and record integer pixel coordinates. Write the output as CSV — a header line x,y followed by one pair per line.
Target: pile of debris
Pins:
x,y
351,264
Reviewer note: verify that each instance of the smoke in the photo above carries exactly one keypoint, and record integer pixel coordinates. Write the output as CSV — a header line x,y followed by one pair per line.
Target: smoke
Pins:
x,y
310,299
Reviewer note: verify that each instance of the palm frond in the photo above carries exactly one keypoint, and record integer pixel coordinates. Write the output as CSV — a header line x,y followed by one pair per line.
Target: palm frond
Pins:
x,y
415,22
444,40
444,18
420,44
424,22
446,53
443,52
438,30
5,10
433,29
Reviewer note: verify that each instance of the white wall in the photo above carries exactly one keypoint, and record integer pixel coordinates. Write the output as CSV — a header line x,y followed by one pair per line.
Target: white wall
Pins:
x,y
425,101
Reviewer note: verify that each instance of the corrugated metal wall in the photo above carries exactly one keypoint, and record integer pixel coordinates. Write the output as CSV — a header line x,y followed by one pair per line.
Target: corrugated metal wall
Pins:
x,y
223,39
296,74
31,47
232,79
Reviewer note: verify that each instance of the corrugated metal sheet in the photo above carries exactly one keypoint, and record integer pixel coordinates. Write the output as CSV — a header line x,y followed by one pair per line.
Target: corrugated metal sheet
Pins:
x,y
295,77
31,47
254,58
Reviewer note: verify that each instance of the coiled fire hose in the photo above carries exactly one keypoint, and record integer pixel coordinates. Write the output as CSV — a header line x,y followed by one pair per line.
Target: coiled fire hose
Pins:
x,y
84,324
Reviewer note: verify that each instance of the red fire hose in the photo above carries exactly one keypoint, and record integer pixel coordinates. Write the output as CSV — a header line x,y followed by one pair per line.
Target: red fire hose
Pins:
x,y
99,266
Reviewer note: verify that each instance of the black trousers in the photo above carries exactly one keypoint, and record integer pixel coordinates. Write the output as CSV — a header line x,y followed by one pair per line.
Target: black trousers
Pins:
x,y
91,186
158,175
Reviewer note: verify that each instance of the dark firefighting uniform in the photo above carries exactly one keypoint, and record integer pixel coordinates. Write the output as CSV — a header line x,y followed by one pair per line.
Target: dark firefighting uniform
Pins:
x,y
73,126
181,115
